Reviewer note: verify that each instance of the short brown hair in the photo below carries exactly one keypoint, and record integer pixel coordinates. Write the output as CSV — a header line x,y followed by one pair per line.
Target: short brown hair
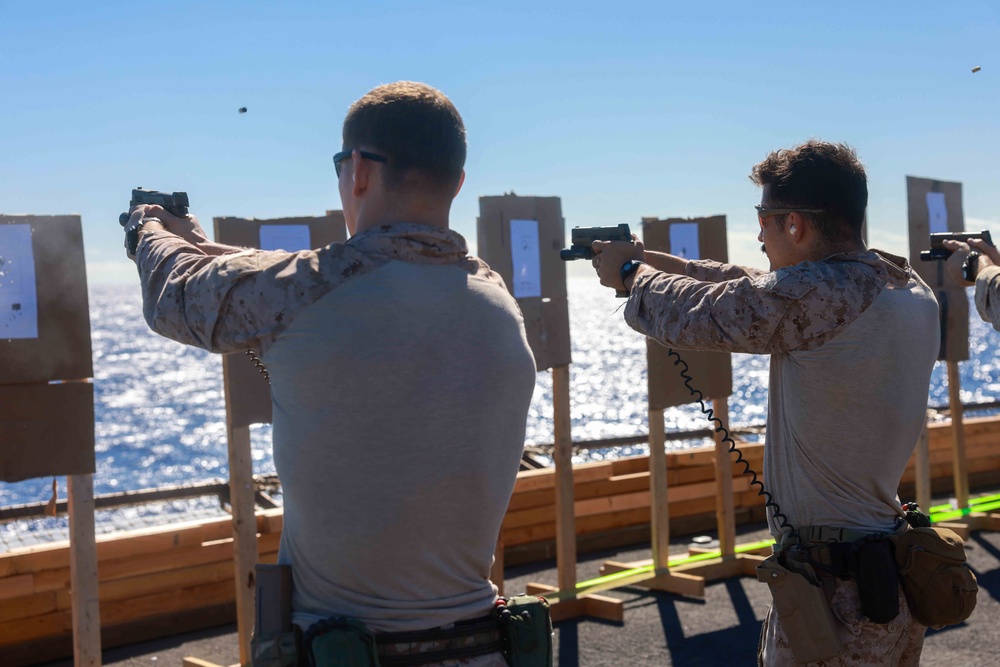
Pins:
x,y
821,175
415,127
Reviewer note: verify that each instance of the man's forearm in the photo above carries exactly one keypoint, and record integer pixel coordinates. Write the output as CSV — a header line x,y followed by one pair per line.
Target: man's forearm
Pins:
x,y
661,261
988,295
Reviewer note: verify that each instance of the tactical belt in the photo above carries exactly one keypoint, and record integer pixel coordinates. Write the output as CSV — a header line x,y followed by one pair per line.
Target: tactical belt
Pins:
x,y
465,639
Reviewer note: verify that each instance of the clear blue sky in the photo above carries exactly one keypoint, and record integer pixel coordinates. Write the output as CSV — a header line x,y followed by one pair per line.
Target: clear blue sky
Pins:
x,y
622,109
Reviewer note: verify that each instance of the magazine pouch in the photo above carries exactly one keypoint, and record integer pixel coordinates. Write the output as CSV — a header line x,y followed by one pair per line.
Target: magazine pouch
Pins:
x,y
939,586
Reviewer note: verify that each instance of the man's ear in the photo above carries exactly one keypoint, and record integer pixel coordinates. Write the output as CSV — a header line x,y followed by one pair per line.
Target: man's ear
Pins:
x,y
796,226
361,174
461,180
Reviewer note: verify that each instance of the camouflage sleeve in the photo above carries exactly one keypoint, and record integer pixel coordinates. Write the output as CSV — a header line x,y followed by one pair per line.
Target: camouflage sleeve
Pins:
x,y
235,301
988,295
709,271
775,312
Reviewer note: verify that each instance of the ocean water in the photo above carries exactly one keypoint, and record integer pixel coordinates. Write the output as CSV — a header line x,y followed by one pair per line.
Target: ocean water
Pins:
x,y
159,412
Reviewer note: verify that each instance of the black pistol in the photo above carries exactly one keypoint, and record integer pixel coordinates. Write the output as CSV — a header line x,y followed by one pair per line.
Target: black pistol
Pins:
x,y
174,202
583,240
939,252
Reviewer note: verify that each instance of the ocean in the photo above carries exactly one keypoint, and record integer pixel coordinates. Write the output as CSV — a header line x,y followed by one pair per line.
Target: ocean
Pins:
x,y
160,413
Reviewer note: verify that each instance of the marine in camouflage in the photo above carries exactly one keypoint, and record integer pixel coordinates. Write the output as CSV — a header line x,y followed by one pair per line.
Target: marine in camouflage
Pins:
x,y
244,299
865,643
727,308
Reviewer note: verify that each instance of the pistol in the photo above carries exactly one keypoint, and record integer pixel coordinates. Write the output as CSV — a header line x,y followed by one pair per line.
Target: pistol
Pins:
x,y
583,239
175,202
939,252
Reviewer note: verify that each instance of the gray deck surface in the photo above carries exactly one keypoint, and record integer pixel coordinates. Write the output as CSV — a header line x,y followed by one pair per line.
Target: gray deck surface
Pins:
x,y
659,628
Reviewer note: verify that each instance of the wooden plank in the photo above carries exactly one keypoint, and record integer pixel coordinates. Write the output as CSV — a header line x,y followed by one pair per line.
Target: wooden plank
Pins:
x,y
178,599
29,605
241,498
563,456
659,505
83,572
725,510
20,630
16,586
148,584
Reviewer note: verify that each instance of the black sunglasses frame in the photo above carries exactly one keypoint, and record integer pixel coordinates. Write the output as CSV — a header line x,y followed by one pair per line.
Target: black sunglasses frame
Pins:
x,y
766,212
343,155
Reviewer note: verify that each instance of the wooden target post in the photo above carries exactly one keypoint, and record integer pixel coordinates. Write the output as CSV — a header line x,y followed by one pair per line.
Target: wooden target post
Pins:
x,y
936,206
712,374
520,238
46,391
248,395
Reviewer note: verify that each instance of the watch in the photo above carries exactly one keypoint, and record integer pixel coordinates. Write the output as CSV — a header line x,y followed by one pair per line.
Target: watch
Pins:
x,y
628,268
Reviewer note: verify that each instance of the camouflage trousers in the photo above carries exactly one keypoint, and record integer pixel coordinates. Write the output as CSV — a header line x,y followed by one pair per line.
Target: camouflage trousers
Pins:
x,y
865,643
489,660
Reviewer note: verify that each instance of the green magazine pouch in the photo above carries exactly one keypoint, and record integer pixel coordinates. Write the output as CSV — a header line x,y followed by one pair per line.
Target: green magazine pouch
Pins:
x,y
340,642
940,588
527,629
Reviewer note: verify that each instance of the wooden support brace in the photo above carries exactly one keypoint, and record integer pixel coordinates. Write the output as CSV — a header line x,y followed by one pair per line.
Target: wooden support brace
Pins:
x,y
972,522
593,605
662,580
83,572
725,508
244,532
922,469
959,464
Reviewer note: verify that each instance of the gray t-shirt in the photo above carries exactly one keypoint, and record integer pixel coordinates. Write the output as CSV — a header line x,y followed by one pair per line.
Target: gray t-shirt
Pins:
x,y
401,380
852,339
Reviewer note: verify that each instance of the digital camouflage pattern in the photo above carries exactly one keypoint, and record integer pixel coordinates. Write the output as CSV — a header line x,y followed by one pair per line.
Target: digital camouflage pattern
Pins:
x,y
866,644
988,295
735,309
246,298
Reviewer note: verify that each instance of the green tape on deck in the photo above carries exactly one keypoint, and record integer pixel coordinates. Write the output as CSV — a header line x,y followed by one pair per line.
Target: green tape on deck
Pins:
x,y
947,508
965,511
638,574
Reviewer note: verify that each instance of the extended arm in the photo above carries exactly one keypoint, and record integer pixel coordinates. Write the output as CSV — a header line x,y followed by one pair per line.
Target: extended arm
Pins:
x,y
238,300
777,312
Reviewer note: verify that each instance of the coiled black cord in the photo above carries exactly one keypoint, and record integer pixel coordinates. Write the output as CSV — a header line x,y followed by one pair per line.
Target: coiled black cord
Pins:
x,y
709,413
259,365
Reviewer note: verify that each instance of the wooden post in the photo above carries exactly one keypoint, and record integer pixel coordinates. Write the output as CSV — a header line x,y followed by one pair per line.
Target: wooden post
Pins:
x,y
725,510
83,572
496,573
570,606
922,470
565,520
961,475
241,498
660,516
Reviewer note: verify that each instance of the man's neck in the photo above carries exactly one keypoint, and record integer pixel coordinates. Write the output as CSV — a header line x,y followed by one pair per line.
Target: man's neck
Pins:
x,y
830,249
387,213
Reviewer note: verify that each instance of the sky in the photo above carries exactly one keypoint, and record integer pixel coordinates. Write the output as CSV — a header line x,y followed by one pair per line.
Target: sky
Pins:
x,y
623,109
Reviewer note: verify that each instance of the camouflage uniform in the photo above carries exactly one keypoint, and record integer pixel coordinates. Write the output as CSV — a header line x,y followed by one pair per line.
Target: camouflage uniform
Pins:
x,y
852,341
246,298
988,295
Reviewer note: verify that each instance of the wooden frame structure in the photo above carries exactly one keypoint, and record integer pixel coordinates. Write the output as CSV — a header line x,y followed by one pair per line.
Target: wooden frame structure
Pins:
x,y
545,308
713,373
53,368
936,206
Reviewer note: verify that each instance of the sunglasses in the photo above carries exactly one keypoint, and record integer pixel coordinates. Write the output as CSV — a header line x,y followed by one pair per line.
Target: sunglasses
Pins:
x,y
343,155
765,212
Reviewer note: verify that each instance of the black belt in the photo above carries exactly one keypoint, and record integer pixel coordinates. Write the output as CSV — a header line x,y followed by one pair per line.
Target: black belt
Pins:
x,y
465,639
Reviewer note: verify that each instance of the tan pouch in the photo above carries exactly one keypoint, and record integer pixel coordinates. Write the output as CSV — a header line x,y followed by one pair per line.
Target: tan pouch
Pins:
x,y
940,588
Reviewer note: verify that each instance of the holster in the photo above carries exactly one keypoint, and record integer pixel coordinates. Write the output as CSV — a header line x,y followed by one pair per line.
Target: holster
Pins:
x,y
802,606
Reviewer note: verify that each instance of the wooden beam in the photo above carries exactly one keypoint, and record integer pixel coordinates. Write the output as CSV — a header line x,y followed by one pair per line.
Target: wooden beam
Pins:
x,y
922,469
955,399
725,509
660,517
244,532
83,572
565,528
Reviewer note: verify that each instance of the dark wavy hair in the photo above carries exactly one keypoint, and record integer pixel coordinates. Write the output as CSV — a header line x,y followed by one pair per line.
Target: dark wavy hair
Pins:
x,y
821,175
